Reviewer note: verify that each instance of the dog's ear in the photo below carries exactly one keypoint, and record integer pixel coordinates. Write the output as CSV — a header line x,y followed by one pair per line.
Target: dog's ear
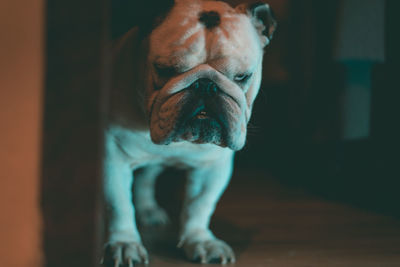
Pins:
x,y
262,17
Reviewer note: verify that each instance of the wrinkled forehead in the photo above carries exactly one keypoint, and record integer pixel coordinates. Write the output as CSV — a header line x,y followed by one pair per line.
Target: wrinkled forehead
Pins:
x,y
187,35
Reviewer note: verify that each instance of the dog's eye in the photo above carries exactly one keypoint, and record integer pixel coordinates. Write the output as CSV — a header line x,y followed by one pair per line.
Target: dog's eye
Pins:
x,y
242,78
165,71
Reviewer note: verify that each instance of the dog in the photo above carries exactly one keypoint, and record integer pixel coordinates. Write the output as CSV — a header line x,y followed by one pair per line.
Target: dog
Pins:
x,y
181,95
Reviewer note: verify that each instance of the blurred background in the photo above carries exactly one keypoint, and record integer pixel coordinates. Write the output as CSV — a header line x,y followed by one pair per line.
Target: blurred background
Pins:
x,y
326,119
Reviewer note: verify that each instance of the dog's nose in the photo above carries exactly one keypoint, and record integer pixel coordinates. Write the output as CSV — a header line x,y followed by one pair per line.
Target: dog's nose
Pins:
x,y
205,87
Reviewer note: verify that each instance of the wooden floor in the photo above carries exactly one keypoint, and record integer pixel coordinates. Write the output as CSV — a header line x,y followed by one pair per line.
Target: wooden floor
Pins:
x,y
268,224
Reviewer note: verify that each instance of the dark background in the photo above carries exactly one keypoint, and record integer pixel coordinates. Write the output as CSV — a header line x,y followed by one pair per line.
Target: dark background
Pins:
x,y
293,134
294,131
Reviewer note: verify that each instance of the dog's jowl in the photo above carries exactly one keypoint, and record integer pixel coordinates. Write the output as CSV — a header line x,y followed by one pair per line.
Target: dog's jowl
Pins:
x,y
181,95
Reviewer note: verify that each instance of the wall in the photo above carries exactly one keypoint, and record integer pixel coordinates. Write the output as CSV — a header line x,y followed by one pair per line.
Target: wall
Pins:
x,y
21,73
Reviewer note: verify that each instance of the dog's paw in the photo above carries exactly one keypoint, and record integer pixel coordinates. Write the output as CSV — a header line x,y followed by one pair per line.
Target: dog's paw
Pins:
x,y
118,254
209,251
153,217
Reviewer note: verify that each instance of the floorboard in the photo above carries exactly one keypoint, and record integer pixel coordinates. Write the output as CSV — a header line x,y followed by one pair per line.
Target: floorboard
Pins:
x,y
269,224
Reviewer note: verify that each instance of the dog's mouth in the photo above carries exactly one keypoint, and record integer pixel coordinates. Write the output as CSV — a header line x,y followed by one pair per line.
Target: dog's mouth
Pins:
x,y
201,112
200,122
200,106
202,115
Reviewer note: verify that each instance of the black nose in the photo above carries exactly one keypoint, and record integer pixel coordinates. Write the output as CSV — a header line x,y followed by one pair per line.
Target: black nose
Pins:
x,y
205,87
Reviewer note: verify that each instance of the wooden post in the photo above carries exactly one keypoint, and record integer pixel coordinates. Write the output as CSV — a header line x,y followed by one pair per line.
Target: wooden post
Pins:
x,y
76,81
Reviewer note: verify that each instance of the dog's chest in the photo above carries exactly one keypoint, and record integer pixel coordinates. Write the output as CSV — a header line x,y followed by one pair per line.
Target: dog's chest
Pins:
x,y
141,151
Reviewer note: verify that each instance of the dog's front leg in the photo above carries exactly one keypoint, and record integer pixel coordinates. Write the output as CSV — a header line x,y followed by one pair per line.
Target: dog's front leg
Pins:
x,y
204,187
124,245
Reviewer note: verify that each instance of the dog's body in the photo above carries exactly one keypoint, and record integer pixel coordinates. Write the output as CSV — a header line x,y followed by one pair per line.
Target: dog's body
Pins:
x,y
181,97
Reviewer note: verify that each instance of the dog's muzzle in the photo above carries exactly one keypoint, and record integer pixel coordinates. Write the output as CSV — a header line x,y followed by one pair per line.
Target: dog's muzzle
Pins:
x,y
200,106
204,90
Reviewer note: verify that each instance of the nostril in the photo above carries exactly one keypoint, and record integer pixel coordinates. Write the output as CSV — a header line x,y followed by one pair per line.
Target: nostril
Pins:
x,y
205,86
196,85
212,88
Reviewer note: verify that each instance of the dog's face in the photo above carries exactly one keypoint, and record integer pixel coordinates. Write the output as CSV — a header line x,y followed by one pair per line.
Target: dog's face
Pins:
x,y
205,71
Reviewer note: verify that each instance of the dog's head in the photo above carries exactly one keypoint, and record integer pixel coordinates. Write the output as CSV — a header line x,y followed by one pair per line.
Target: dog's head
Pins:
x,y
205,63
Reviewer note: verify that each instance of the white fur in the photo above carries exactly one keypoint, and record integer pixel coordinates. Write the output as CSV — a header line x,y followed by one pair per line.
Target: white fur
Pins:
x,y
233,47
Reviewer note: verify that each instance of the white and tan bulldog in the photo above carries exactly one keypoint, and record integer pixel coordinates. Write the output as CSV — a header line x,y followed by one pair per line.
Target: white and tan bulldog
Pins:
x,y
182,96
